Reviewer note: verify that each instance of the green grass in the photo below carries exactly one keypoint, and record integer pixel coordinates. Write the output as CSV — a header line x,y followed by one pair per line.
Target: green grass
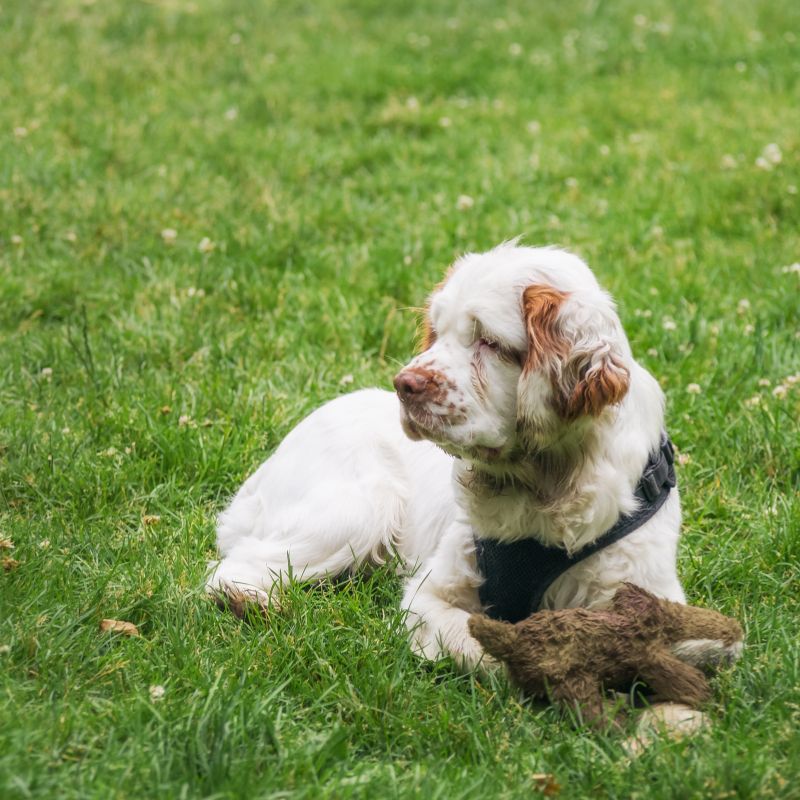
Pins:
x,y
310,143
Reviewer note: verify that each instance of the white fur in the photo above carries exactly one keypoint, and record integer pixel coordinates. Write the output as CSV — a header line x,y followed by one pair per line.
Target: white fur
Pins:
x,y
347,486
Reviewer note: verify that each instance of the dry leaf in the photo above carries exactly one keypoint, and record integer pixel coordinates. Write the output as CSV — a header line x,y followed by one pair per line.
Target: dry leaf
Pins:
x,y
9,563
546,783
151,519
6,544
118,626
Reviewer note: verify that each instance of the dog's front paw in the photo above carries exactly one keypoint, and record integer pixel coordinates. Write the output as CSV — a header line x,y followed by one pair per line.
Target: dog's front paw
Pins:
x,y
452,640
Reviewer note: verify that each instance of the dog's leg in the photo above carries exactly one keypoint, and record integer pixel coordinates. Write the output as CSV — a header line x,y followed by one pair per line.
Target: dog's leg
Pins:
x,y
439,599
334,530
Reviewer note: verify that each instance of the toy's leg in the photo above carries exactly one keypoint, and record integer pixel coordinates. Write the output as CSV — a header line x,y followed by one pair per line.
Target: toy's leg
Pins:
x,y
672,679
583,694
707,653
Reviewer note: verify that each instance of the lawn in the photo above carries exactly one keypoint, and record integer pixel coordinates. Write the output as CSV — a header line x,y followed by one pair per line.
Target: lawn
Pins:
x,y
216,215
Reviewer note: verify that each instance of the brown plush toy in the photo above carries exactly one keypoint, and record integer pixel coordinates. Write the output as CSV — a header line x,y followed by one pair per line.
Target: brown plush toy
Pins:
x,y
572,655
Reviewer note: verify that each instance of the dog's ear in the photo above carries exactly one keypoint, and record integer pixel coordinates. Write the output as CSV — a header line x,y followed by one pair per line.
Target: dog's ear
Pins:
x,y
547,346
574,345
596,378
426,335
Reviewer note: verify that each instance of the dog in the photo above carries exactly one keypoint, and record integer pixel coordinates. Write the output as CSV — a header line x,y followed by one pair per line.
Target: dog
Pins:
x,y
524,416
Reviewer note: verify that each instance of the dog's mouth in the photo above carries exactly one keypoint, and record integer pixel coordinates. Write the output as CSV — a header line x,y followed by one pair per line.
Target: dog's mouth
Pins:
x,y
419,423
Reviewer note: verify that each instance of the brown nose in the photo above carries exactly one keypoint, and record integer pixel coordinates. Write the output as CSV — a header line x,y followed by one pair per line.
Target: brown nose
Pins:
x,y
409,384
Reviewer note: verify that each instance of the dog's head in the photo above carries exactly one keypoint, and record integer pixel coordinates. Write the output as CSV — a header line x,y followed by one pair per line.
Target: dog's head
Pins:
x,y
519,345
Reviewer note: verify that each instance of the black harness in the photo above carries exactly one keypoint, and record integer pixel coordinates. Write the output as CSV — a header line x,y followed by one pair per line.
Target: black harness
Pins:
x,y
518,574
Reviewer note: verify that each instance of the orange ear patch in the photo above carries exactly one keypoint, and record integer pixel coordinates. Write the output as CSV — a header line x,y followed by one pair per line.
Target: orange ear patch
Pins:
x,y
426,335
600,386
540,307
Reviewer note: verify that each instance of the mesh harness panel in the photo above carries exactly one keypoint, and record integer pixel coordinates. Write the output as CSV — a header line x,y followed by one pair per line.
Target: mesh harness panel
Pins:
x,y
517,574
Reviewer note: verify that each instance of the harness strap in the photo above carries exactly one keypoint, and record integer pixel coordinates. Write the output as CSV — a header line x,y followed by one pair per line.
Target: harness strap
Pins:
x,y
517,574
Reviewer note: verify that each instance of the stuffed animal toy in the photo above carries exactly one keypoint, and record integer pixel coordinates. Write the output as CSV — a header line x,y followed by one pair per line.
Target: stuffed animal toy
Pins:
x,y
571,656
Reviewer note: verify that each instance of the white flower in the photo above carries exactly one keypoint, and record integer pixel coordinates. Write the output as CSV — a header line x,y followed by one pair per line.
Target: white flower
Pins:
x,y
169,235
205,245
640,21
235,38
762,163
652,352
792,268
156,693
231,114
346,380
764,382
20,132
727,161
748,329
412,104
71,236
604,150
46,373
772,152
780,391
515,49
694,388
791,380
5,649
791,189
656,231
753,401
740,66
445,122
464,202
184,420
16,239
743,306
407,260
44,544
571,183
193,292
714,329
668,324
684,459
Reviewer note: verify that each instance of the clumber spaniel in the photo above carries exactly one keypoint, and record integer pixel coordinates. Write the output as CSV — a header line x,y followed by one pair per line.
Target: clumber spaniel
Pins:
x,y
525,415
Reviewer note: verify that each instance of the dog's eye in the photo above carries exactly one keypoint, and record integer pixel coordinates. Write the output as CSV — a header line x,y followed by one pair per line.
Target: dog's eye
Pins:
x,y
483,342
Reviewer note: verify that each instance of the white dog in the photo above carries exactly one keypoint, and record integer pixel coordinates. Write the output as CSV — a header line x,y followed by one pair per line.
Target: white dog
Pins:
x,y
525,417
